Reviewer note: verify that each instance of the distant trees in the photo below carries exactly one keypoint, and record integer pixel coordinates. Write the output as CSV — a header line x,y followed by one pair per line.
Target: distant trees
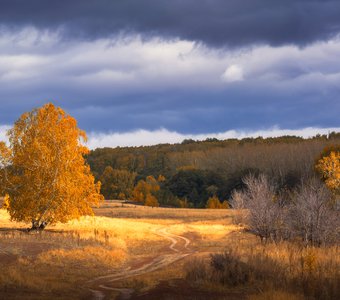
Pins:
x,y
117,184
215,203
196,186
193,168
146,190
189,184
43,171
151,200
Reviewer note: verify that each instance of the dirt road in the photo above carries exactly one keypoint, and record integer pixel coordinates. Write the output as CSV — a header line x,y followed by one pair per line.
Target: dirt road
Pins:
x,y
179,248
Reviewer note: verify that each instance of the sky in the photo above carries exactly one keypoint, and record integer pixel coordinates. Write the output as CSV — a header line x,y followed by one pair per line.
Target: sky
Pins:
x,y
142,72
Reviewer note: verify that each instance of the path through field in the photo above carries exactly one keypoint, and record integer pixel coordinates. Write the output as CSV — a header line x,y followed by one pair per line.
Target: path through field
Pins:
x,y
179,247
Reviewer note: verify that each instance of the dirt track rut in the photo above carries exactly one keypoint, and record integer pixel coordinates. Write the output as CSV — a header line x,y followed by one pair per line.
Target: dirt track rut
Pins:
x,y
100,286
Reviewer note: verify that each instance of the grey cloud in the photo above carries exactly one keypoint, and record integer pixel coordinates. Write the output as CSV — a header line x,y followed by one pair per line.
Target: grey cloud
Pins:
x,y
175,86
218,23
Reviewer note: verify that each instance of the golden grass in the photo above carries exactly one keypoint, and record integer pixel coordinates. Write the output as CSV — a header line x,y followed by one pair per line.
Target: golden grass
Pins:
x,y
5,221
116,209
276,295
310,272
66,254
57,259
56,263
87,257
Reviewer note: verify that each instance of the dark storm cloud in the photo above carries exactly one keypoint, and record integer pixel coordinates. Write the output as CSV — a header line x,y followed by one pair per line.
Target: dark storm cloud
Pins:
x,y
200,112
213,22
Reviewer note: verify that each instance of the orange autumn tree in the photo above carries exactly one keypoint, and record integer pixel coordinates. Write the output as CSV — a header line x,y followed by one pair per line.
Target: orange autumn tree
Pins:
x,y
145,190
214,202
43,171
329,167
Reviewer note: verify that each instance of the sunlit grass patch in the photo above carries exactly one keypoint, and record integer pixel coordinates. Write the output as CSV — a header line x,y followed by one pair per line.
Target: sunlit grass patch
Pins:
x,y
312,272
87,257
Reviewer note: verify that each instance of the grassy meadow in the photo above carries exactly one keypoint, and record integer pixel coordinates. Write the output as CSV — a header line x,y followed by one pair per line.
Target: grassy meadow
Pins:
x,y
159,253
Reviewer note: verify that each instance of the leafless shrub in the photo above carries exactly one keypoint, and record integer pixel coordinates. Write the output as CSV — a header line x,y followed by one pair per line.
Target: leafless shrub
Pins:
x,y
265,216
228,269
309,213
312,215
238,202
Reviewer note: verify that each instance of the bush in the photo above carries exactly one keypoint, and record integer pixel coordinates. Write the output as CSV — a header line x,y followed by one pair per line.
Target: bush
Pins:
x,y
229,270
151,201
214,202
310,272
196,270
309,213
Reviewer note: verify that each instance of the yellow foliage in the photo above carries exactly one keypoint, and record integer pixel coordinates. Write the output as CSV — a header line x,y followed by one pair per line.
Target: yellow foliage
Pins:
x,y
186,168
151,201
329,168
6,203
161,178
145,188
152,183
140,191
48,179
121,196
309,260
225,204
214,202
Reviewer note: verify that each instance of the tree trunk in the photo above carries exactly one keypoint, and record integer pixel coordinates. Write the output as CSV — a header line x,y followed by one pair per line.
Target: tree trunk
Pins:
x,y
36,226
42,225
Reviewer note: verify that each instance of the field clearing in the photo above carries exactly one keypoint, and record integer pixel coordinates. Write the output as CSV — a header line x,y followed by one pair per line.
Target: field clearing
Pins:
x,y
120,209
136,252
117,237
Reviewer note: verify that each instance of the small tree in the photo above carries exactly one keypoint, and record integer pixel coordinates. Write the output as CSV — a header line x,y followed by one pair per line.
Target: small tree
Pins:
x,y
264,215
238,200
312,215
145,187
214,202
43,170
329,168
151,201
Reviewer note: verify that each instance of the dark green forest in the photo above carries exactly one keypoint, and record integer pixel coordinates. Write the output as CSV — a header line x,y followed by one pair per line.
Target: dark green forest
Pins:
x,y
189,173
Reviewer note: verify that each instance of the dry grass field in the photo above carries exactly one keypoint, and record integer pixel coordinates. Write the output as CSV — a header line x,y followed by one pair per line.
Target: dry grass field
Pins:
x,y
136,252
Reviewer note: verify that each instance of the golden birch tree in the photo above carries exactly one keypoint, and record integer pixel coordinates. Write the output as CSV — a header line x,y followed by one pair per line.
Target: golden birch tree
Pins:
x,y
329,168
145,187
43,171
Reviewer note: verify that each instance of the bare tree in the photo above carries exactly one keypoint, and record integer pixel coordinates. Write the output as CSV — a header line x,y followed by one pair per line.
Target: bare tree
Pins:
x,y
238,200
264,214
313,215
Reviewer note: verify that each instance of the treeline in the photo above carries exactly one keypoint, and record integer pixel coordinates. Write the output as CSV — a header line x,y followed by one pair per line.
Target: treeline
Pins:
x,y
196,173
